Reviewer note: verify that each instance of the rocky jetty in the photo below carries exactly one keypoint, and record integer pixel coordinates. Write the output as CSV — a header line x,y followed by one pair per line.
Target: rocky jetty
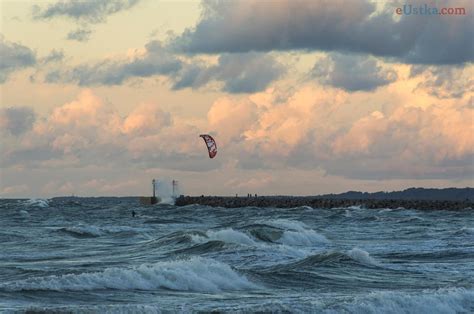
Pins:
x,y
317,202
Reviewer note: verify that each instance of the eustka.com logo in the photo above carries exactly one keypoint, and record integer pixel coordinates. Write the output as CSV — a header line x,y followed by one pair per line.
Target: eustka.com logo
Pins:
x,y
425,9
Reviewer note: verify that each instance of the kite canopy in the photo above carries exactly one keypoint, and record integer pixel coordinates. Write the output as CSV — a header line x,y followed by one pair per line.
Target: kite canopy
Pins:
x,y
211,145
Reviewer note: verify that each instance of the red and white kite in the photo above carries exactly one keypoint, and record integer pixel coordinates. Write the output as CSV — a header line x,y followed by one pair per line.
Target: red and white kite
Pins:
x,y
211,145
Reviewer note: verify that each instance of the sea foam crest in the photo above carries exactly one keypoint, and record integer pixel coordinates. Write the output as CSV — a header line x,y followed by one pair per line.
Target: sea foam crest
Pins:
x,y
226,235
362,256
195,274
37,202
297,233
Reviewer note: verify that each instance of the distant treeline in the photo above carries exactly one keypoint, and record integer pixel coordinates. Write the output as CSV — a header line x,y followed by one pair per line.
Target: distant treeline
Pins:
x,y
448,194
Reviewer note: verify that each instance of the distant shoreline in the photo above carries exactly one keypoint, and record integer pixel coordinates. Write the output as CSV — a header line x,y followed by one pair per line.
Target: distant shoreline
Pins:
x,y
318,202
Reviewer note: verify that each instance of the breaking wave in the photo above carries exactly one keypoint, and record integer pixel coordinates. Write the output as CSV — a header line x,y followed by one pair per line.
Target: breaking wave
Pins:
x,y
362,257
195,274
37,202
226,235
297,233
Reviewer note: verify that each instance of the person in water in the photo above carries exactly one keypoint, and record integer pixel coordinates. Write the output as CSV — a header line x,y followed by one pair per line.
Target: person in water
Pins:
x,y
133,213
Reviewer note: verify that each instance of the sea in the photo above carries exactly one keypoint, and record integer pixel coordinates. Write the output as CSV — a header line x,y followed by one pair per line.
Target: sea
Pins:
x,y
90,255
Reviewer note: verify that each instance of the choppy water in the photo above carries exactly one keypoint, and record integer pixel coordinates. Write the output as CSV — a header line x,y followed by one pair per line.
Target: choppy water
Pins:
x,y
92,256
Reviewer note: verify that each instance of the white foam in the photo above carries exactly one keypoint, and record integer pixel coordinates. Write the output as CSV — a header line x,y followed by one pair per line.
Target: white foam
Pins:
x,y
302,238
356,207
24,213
286,224
236,237
362,256
196,274
37,202
297,233
226,235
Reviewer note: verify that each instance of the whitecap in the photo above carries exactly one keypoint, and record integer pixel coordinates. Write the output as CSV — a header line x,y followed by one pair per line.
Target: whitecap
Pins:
x,y
297,233
362,256
226,235
195,274
37,202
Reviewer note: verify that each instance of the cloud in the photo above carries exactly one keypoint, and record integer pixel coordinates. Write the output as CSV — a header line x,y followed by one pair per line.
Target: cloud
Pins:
x,y
81,35
350,27
87,131
14,190
445,81
86,11
14,57
393,133
17,120
316,128
429,143
352,72
230,118
54,56
145,119
240,73
155,60
235,73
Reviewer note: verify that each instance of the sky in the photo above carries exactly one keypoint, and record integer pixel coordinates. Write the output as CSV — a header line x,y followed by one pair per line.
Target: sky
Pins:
x,y
303,97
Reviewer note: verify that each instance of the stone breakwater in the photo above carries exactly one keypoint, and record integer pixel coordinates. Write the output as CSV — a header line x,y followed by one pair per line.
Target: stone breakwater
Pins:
x,y
315,202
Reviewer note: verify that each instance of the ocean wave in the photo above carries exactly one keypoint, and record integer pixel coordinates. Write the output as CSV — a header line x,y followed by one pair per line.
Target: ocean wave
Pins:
x,y
362,257
438,256
92,231
37,202
443,301
226,235
82,231
466,230
332,259
202,248
264,232
103,309
297,233
455,300
195,274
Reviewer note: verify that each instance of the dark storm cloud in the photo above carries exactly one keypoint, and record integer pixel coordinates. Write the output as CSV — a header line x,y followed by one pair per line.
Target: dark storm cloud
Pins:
x,y
81,35
345,26
352,73
88,11
155,61
14,57
17,120
240,73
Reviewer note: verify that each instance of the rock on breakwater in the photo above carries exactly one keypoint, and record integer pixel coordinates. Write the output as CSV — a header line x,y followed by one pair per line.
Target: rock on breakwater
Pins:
x,y
316,202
